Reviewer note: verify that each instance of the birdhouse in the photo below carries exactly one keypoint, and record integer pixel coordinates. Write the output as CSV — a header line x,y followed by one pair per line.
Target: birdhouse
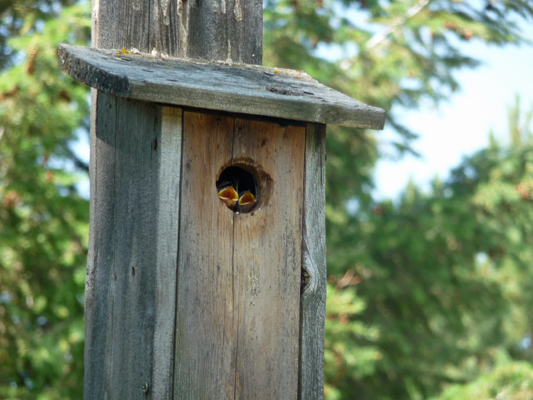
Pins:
x,y
207,269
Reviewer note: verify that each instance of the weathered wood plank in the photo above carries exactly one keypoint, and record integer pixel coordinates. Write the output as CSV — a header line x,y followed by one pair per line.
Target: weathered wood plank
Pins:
x,y
132,267
205,331
239,274
209,30
98,307
252,33
169,146
135,254
313,300
240,88
164,34
118,23
267,263
224,29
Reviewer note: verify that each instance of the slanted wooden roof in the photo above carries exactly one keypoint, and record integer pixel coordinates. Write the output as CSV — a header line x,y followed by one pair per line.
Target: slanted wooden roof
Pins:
x,y
240,88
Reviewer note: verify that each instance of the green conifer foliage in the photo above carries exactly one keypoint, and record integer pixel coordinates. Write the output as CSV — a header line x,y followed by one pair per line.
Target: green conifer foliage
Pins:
x,y
43,219
446,277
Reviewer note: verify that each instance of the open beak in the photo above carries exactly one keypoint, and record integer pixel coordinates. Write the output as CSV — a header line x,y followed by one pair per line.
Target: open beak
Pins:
x,y
229,196
246,202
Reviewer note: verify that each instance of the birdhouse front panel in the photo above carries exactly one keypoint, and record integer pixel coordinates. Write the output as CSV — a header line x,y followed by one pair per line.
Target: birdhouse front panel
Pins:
x,y
239,273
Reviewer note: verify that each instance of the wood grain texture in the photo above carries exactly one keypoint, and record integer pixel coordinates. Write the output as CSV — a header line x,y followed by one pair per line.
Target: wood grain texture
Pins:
x,y
209,30
224,29
205,328
267,263
239,274
313,300
98,307
133,251
240,88
169,175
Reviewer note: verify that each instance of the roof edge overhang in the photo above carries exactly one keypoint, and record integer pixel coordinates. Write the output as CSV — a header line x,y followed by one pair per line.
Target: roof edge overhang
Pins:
x,y
230,87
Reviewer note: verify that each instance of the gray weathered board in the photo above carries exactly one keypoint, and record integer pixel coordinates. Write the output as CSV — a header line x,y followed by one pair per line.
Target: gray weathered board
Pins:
x,y
313,298
242,88
207,29
133,247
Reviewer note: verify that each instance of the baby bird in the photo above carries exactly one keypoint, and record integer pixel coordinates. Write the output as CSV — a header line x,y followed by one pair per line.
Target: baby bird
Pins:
x,y
228,194
246,201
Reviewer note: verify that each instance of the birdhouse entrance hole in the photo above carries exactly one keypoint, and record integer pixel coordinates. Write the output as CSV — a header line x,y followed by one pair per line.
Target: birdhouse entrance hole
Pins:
x,y
237,188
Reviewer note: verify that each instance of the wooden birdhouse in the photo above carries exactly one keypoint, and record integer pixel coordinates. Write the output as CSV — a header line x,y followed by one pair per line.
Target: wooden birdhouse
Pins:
x,y
207,269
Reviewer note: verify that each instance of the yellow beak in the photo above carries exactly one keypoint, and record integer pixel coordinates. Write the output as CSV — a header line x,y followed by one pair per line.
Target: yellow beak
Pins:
x,y
246,201
229,196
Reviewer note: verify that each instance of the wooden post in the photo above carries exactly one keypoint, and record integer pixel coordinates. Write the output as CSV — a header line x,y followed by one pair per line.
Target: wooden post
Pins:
x,y
170,316
208,30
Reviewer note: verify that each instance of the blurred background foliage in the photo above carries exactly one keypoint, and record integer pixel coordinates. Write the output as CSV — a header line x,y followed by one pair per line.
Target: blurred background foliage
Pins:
x,y
428,297
43,218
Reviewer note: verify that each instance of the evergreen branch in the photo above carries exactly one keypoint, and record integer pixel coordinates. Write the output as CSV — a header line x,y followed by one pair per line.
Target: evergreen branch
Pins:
x,y
381,36
78,163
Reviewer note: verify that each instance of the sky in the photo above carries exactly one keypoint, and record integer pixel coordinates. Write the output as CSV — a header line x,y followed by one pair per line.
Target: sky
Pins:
x,y
461,126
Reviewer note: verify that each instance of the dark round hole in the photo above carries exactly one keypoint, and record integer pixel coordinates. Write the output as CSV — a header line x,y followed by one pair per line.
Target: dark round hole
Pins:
x,y
237,188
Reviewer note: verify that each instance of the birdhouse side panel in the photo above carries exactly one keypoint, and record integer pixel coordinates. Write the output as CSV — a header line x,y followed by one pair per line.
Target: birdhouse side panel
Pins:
x,y
98,309
131,277
313,299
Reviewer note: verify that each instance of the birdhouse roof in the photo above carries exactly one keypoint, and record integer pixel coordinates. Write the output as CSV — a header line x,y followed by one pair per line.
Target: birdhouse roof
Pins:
x,y
239,88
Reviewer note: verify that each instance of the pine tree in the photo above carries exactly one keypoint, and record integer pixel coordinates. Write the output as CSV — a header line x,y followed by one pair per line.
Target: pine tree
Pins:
x,y
43,218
